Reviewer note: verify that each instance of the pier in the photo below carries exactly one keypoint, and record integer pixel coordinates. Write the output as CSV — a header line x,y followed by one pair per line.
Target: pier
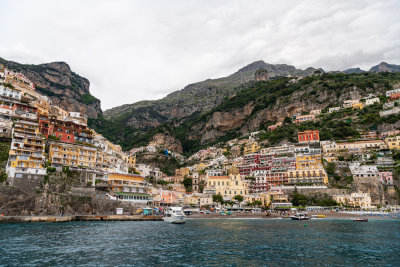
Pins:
x,y
72,218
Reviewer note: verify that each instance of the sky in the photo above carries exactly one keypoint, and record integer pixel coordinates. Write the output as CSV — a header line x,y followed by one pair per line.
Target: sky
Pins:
x,y
143,50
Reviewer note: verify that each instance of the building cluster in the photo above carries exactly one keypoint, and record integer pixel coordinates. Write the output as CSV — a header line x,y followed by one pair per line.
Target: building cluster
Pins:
x,y
45,137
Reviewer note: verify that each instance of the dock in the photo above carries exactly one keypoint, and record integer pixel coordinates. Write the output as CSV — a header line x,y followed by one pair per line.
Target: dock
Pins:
x,y
73,218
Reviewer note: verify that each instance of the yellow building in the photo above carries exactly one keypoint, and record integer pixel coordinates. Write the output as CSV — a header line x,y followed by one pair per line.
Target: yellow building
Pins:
x,y
26,153
308,176
19,81
251,147
199,166
43,106
393,142
332,148
278,197
132,161
308,161
74,155
182,172
356,200
191,199
227,186
263,197
130,188
359,105
121,182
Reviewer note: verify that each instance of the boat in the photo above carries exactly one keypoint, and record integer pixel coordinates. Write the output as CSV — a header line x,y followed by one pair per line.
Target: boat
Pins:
x,y
300,216
174,215
360,220
318,216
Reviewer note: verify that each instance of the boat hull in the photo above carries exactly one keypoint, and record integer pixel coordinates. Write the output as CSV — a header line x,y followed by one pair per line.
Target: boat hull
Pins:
x,y
300,219
175,219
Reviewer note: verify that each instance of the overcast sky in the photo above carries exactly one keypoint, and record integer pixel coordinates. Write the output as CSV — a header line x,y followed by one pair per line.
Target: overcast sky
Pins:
x,y
142,50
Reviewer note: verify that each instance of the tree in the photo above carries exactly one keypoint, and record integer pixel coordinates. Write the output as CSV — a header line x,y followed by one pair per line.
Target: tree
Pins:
x,y
218,198
187,182
299,199
331,168
257,203
238,198
287,120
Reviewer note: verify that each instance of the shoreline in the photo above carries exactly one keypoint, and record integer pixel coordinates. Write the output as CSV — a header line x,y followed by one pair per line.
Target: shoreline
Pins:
x,y
107,218
77,218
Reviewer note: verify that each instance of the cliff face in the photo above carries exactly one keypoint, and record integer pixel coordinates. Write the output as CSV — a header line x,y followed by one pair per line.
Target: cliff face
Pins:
x,y
64,87
198,97
167,142
385,67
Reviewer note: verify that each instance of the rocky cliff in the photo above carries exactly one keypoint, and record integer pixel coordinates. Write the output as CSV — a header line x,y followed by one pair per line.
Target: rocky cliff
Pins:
x,y
197,97
64,87
218,109
385,67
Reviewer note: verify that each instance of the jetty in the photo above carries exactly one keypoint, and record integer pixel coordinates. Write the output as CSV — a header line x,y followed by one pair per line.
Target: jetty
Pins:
x,y
72,218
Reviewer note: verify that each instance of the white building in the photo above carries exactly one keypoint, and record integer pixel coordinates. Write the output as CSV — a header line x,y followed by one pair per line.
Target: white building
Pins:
x,y
372,101
391,92
10,92
334,109
364,173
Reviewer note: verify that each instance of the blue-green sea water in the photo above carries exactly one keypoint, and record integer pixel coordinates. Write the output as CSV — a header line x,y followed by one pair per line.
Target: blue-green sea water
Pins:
x,y
202,242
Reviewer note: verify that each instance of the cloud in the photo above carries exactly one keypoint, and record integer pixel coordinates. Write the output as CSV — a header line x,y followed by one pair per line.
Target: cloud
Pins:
x,y
140,50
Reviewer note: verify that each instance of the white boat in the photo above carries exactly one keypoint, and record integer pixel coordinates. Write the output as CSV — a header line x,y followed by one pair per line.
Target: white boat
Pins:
x,y
174,215
300,216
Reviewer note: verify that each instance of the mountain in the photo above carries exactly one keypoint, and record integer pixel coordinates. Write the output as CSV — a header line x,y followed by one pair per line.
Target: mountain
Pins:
x,y
64,87
221,109
195,98
353,70
138,122
385,67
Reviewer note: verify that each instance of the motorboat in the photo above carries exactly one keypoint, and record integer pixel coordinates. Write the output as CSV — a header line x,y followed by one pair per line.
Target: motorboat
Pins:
x,y
360,220
174,215
300,216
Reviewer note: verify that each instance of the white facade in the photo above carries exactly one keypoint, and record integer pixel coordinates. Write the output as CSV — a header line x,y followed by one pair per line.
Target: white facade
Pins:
x,y
333,109
8,92
372,101
395,91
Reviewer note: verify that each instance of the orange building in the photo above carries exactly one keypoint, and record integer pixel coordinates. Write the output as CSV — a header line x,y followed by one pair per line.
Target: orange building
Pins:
x,y
308,136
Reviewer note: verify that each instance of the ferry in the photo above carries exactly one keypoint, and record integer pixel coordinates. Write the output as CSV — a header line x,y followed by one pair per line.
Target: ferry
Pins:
x,y
300,216
174,215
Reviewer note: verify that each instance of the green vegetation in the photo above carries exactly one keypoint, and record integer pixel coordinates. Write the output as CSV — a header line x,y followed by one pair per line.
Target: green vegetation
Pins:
x,y
238,198
4,150
88,98
187,182
218,198
303,200
324,90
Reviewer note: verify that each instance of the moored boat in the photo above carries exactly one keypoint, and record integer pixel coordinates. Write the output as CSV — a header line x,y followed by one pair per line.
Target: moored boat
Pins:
x,y
360,220
300,216
174,215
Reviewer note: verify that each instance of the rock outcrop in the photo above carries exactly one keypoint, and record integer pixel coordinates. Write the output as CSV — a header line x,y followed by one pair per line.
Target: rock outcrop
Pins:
x,y
167,142
385,67
64,87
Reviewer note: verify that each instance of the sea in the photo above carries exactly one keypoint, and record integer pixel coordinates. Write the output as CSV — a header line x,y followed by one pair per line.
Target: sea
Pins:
x,y
203,242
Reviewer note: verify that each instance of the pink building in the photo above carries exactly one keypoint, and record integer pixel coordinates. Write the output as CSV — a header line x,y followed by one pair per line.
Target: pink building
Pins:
x,y
169,197
273,127
386,177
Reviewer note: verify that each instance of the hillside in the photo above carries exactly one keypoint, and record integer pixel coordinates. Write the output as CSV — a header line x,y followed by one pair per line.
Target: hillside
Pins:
x,y
196,97
131,123
64,87
260,104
